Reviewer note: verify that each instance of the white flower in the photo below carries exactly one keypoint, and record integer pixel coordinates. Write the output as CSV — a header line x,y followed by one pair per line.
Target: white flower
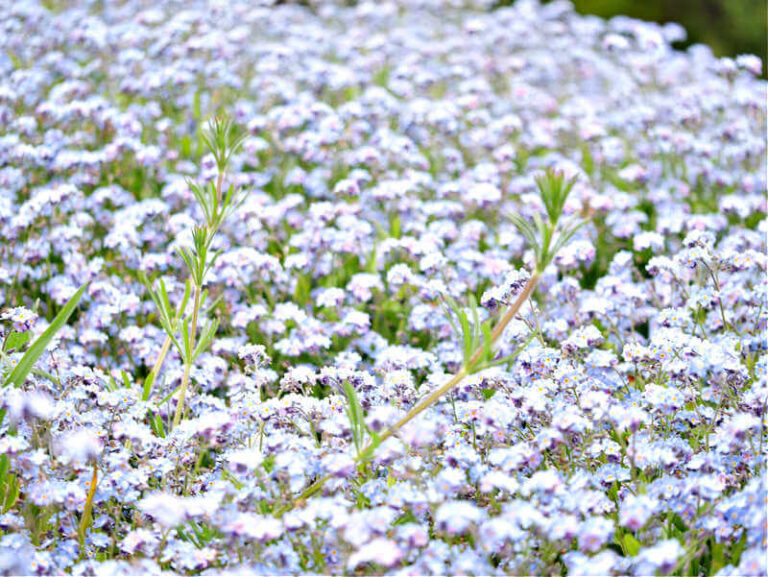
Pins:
x,y
383,552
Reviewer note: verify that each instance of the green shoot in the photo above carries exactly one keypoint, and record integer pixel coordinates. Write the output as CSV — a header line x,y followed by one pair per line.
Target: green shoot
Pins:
x,y
24,367
477,339
548,237
216,205
355,415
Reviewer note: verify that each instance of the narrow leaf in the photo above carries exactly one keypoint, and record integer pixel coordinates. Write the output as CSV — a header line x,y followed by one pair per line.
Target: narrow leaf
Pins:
x,y
147,386
20,371
15,341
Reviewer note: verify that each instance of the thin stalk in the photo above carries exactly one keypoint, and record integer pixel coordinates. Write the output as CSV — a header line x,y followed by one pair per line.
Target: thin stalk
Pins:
x,y
434,396
188,363
161,357
425,403
167,343
163,352
85,520
219,187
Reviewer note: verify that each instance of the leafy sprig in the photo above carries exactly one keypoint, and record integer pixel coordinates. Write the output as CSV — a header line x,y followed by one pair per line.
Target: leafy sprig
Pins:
x,y
222,140
478,341
547,237
217,205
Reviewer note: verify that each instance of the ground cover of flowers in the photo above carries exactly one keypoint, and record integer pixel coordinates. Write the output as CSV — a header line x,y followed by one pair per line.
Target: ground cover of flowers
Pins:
x,y
390,152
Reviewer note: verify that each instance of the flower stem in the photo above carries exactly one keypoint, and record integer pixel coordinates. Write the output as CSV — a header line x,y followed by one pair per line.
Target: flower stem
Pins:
x,y
433,397
161,357
85,520
367,453
167,343
188,362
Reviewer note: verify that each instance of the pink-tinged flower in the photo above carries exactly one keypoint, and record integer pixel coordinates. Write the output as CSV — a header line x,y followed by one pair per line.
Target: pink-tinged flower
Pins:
x,y
254,526
456,517
594,532
167,510
384,552
79,447
661,557
635,511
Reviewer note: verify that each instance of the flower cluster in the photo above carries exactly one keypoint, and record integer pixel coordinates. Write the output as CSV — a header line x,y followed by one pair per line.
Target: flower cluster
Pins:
x,y
390,152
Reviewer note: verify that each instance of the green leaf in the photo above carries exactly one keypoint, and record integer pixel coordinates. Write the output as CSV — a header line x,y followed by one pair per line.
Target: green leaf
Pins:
x,y
227,475
209,331
475,321
190,259
718,555
15,341
355,414
303,288
509,358
186,341
631,545
158,426
565,236
554,188
12,490
467,334
525,228
185,298
162,304
45,375
448,307
147,386
5,465
679,523
20,372
738,549
168,397
202,199
487,342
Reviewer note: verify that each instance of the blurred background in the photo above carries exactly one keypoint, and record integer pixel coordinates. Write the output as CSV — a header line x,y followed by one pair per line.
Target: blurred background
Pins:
x,y
729,27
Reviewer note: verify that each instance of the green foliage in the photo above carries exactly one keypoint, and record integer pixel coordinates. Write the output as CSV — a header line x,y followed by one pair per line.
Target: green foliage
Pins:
x,y
10,488
16,341
222,140
471,333
730,27
631,545
197,259
476,338
24,367
355,415
206,338
217,205
169,318
554,188
199,534
548,237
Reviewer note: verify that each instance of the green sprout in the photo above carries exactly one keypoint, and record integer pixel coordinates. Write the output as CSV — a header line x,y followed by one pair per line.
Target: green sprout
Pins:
x,y
217,205
547,237
222,140
478,340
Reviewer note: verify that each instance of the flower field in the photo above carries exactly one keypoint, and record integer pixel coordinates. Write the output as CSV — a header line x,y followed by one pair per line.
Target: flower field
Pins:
x,y
411,288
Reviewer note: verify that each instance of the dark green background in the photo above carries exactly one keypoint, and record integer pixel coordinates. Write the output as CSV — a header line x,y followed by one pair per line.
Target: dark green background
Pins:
x,y
730,27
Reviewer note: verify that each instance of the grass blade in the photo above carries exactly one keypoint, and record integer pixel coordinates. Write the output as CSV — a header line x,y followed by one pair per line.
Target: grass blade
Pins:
x,y
146,391
27,362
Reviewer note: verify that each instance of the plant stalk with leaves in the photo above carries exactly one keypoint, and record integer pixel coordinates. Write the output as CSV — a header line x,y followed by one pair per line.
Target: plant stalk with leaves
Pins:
x,y
217,204
546,238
